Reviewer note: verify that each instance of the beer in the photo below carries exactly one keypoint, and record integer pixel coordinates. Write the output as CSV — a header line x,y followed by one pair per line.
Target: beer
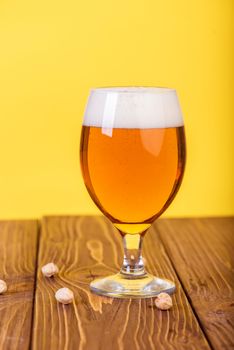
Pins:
x,y
133,172
132,156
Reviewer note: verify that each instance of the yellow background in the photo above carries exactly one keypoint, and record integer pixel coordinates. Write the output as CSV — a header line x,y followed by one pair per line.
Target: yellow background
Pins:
x,y
53,52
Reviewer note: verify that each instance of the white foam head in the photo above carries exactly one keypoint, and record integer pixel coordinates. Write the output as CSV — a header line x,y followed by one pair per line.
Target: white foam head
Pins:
x,y
133,107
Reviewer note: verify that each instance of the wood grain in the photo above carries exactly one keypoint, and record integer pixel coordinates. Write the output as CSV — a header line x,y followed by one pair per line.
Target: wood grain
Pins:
x,y
18,250
89,247
202,252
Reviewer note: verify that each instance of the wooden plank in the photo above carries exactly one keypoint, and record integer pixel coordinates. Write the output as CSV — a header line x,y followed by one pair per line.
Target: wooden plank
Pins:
x,y
87,247
18,251
202,251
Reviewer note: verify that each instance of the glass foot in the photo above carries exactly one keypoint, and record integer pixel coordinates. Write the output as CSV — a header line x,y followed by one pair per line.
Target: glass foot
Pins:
x,y
121,286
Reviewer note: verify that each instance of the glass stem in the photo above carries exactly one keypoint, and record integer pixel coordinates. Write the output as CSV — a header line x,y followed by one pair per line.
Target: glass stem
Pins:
x,y
133,265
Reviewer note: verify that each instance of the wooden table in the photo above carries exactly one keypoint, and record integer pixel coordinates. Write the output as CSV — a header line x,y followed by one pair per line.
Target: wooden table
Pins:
x,y
197,253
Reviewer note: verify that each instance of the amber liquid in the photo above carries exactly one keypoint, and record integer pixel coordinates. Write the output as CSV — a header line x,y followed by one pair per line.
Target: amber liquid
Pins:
x,y
132,174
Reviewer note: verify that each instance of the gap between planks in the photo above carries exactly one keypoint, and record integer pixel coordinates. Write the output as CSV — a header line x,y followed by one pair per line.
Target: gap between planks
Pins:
x,y
39,224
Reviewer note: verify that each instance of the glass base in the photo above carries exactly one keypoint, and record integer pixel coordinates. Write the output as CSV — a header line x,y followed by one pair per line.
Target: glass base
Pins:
x,y
121,286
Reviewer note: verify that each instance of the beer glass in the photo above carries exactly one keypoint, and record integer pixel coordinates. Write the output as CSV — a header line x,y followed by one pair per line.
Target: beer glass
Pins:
x,y
132,159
